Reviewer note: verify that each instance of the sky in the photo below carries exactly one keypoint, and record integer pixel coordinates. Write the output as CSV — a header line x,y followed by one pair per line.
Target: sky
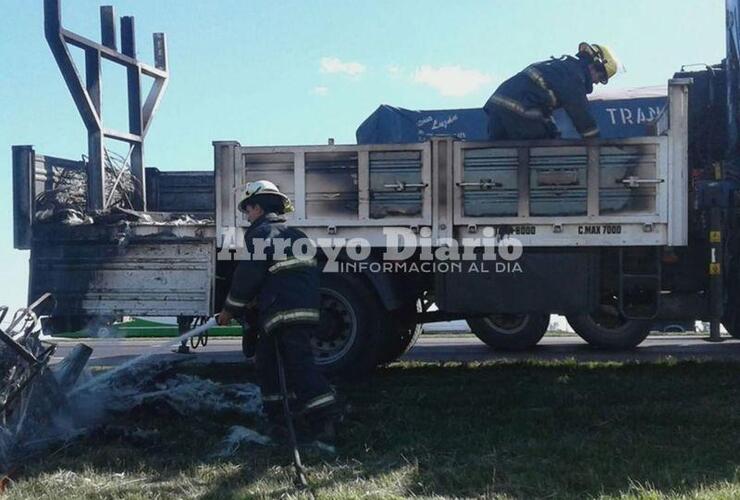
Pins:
x,y
269,72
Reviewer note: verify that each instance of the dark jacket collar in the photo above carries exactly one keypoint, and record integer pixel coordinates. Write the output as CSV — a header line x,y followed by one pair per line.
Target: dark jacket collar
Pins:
x,y
268,218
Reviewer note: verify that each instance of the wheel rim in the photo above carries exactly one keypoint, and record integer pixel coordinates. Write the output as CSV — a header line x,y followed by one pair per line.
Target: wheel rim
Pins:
x,y
337,329
508,324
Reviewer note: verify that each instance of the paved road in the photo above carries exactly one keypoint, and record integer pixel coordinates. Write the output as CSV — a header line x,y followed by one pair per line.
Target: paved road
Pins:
x,y
457,347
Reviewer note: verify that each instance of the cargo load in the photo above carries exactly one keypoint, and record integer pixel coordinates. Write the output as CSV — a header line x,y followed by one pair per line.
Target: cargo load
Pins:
x,y
620,114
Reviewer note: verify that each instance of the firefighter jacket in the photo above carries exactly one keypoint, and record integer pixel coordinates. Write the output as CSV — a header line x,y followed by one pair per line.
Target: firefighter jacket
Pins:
x,y
546,86
283,288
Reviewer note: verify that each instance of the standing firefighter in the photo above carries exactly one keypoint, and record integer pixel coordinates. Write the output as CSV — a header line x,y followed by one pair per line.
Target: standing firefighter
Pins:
x,y
281,291
522,106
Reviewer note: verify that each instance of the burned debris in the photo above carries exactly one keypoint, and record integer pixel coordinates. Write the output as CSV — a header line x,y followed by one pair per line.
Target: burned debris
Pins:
x,y
32,394
42,405
64,198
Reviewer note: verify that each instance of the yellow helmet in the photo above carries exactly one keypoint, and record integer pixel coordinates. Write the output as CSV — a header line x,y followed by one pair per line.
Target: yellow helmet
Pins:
x,y
264,188
602,55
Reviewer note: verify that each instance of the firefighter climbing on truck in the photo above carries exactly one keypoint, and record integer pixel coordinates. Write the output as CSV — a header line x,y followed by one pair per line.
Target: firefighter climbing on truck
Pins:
x,y
282,291
522,106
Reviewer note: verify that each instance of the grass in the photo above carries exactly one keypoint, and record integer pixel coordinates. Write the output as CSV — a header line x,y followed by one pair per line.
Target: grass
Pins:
x,y
496,430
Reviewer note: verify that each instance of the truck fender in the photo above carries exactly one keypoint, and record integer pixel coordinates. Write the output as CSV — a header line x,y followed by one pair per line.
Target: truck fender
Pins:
x,y
380,283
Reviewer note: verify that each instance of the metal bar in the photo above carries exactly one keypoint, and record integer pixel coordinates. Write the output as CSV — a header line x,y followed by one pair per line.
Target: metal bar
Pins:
x,y
108,27
138,198
122,136
676,192
337,148
95,171
84,43
565,220
716,264
110,54
426,179
523,182
299,185
92,78
160,82
128,47
633,181
436,158
55,38
160,51
481,183
153,72
224,172
128,38
363,185
23,195
560,142
152,102
95,163
447,184
592,181
458,197
401,186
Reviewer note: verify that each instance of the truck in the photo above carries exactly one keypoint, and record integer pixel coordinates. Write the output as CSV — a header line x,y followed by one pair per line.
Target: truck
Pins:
x,y
616,233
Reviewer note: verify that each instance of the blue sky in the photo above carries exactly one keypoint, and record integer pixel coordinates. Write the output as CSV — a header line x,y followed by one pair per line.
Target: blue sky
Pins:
x,y
299,72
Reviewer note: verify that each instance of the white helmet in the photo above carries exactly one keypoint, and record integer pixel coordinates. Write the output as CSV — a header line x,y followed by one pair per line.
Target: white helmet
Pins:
x,y
264,188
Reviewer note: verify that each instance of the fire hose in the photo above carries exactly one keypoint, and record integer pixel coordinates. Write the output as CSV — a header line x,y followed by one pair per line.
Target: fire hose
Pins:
x,y
200,340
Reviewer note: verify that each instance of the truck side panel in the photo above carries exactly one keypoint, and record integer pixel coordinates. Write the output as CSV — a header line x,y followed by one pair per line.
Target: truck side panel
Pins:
x,y
90,273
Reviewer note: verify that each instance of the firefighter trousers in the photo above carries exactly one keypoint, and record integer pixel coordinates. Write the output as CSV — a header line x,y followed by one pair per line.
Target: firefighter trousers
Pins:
x,y
310,393
504,124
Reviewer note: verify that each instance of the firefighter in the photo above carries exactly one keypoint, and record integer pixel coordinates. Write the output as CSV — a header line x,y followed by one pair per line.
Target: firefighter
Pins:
x,y
522,106
281,291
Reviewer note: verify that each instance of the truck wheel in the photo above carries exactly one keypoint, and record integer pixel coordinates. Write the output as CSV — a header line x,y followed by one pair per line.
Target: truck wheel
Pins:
x,y
606,329
731,316
510,332
349,335
401,333
731,321
404,339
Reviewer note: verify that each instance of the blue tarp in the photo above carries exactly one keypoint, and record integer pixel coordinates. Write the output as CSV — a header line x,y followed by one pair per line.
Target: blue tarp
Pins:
x,y
623,114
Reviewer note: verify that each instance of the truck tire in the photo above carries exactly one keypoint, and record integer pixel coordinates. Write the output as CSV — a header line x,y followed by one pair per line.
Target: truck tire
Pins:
x,y
400,336
610,331
510,332
400,332
348,339
731,321
731,313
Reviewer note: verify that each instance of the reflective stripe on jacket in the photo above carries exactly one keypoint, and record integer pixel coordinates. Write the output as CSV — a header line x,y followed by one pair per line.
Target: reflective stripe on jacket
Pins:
x,y
546,86
284,289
